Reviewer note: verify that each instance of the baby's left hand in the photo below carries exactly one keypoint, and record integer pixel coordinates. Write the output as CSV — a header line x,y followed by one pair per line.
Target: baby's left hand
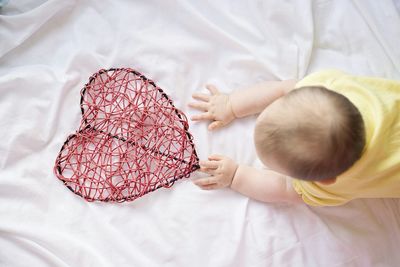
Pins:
x,y
222,170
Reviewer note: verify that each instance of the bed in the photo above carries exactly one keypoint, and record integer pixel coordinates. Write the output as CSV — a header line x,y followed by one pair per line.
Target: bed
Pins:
x,y
48,50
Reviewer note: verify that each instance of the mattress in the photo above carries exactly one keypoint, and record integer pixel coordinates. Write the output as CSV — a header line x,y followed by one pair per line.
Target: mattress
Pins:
x,y
49,49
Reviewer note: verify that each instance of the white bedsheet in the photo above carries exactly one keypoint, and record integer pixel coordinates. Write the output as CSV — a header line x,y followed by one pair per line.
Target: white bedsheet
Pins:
x,y
48,50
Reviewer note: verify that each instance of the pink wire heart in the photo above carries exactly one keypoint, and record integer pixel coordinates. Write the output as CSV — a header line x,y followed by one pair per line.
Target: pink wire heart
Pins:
x,y
132,140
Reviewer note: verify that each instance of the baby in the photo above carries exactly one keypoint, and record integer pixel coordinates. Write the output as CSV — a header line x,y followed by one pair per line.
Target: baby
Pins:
x,y
326,139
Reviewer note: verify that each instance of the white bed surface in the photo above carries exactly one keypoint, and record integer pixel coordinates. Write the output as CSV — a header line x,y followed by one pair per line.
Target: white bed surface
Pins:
x,y
48,50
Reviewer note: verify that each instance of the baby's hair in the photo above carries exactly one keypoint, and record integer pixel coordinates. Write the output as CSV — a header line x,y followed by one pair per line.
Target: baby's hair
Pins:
x,y
318,134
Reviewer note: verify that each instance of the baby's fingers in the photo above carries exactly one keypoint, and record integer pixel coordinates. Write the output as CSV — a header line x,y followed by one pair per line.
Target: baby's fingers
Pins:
x,y
201,97
199,105
213,90
201,117
208,171
206,181
209,164
215,125
215,157
210,186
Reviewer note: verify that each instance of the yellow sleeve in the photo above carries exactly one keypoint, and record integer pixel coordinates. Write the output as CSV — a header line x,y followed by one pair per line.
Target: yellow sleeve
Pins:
x,y
322,78
315,194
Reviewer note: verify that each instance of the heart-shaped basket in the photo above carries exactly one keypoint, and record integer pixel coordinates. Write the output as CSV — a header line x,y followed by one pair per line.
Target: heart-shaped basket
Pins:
x,y
132,140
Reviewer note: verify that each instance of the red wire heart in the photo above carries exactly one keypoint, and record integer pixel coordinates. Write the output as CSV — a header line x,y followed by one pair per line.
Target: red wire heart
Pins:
x,y
132,140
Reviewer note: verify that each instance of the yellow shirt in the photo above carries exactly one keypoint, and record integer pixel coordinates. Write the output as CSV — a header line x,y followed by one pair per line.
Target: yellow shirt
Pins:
x,y
377,173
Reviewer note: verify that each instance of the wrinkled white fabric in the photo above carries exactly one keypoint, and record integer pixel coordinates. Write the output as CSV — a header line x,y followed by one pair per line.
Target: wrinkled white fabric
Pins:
x,y
48,50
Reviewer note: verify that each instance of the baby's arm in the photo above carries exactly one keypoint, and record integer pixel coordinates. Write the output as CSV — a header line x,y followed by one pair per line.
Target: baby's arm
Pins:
x,y
221,109
256,98
262,185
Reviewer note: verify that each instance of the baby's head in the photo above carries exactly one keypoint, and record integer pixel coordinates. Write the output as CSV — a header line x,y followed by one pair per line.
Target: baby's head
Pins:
x,y
311,133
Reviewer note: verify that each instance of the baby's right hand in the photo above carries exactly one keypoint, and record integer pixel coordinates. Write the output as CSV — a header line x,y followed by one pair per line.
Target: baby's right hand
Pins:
x,y
216,107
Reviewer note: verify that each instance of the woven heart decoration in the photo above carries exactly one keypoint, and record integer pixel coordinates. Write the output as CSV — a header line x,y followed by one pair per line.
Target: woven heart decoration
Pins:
x,y
131,141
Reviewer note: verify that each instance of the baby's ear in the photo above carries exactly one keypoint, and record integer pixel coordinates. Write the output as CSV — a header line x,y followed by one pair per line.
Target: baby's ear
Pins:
x,y
328,181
